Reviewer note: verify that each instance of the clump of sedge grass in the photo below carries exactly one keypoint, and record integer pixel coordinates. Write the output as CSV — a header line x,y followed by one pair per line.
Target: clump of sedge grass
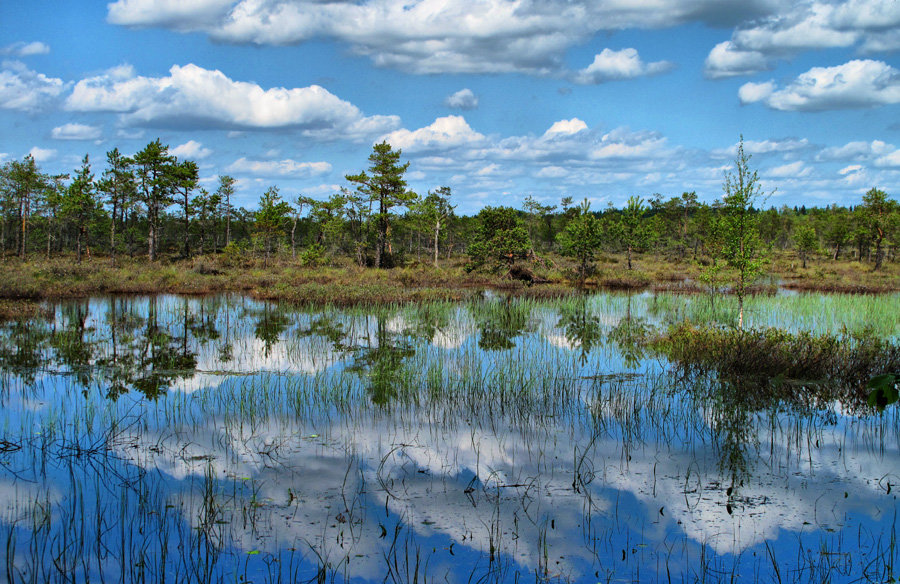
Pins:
x,y
783,364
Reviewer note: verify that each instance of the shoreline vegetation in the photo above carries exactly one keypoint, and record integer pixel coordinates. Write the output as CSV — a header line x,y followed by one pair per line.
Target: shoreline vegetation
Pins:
x,y
24,284
381,243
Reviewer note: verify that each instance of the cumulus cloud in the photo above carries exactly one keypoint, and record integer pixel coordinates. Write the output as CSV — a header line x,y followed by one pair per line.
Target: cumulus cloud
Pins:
x,y
855,151
282,168
192,96
427,36
771,146
856,84
42,154
725,60
25,90
175,14
445,133
191,150
463,99
25,49
76,132
752,92
891,160
623,143
566,128
870,25
796,169
612,65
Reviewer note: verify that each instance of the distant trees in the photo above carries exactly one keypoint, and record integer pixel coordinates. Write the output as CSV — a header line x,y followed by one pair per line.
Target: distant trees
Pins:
x,y
742,247
80,205
156,180
879,216
23,184
270,217
581,239
385,188
152,200
118,186
633,232
500,237
806,241
185,178
224,193
436,211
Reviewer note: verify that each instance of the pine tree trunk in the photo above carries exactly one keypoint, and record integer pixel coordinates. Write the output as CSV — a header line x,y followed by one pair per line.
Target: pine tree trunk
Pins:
x,y
437,234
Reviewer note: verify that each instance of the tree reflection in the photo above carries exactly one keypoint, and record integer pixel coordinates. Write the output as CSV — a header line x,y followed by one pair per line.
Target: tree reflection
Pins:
x,y
164,357
73,351
381,362
629,336
271,325
501,322
581,328
23,348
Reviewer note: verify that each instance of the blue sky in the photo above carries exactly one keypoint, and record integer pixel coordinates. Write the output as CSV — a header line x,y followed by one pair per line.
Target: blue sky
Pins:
x,y
498,99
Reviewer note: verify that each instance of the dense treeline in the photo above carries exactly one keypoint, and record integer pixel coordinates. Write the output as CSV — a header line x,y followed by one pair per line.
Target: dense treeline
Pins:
x,y
152,203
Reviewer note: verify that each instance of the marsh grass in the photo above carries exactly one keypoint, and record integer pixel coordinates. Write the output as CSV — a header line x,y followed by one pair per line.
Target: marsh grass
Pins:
x,y
783,365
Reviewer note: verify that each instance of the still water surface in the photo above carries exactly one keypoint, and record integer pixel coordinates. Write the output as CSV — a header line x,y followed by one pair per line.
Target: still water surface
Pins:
x,y
169,439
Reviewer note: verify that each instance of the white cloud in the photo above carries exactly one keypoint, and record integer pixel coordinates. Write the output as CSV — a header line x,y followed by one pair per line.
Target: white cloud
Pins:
x,y
725,60
282,168
190,150
176,14
42,154
856,84
444,133
76,132
25,49
552,172
871,25
566,128
622,143
796,169
198,97
612,65
25,90
889,160
433,36
463,99
855,151
753,147
752,92
853,168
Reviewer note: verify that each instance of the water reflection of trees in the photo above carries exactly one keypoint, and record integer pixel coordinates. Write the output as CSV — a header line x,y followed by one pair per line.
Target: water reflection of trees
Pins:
x,y
629,335
582,329
132,351
382,361
500,322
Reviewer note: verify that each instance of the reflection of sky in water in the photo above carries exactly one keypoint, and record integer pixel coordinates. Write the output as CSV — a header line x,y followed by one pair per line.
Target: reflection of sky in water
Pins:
x,y
503,430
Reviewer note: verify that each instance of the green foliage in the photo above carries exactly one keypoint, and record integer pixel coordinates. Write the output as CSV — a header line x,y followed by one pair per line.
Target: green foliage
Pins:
x,y
313,256
79,204
581,239
742,247
633,232
883,391
435,212
385,187
780,364
270,218
500,238
156,181
879,217
806,241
